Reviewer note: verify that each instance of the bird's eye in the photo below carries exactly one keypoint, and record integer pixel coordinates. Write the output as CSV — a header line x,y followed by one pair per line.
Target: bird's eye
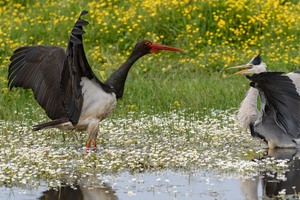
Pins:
x,y
148,44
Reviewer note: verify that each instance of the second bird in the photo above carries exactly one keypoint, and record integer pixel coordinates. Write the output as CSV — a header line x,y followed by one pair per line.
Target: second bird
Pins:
x,y
65,86
276,118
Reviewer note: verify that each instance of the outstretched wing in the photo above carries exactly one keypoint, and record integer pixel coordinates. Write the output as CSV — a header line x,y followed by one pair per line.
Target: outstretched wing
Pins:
x,y
75,67
282,99
39,68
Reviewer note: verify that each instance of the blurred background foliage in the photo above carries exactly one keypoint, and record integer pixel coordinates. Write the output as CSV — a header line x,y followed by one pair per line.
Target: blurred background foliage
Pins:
x,y
214,34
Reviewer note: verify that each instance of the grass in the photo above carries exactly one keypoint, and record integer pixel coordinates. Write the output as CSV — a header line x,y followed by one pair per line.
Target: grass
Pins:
x,y
177,101
211,39
148,94
194,93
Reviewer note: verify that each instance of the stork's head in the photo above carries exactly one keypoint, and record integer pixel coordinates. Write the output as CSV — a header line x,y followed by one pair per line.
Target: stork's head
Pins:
x,y
255,66
145,47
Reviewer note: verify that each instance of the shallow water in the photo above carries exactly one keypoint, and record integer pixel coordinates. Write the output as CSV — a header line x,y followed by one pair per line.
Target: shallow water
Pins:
x,y
163,156
178,185
143,186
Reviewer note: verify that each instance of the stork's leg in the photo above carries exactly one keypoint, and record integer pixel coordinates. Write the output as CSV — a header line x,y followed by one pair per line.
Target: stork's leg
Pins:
x,y
92,130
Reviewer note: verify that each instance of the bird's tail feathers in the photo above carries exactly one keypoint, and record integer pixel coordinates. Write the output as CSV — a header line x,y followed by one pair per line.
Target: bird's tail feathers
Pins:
x,y
50,124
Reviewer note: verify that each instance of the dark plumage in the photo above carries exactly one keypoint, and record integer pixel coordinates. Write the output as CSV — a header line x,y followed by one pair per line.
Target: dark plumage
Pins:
x,y
256,60
276,118
65,86
36,68
281,99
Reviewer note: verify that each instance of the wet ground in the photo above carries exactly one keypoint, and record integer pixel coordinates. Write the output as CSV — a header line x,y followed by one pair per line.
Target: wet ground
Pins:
x,y
168,156
176,185
143,186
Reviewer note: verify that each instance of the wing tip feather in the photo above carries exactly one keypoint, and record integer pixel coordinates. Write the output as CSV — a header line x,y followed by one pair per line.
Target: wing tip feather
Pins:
x,y
84,12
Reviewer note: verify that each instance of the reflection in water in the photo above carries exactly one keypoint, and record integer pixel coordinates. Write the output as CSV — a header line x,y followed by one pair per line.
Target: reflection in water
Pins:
x,y
79,193
272,183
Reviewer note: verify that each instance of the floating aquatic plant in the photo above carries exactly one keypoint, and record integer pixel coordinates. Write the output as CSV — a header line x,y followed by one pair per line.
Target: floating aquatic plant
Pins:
x,y
173,141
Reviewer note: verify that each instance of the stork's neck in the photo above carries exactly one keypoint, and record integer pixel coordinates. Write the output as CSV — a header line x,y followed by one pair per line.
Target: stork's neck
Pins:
x,y
117,80
248,112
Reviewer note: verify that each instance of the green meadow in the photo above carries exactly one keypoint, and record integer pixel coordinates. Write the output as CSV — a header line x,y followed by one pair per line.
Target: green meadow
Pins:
x,y
165,94
214,35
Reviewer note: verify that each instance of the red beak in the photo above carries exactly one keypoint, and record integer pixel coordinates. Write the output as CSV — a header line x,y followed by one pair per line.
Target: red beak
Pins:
x,y
157,47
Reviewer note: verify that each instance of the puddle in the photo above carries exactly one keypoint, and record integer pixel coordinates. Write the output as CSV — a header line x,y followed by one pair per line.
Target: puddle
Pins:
x,y
177,185
167,156
165,185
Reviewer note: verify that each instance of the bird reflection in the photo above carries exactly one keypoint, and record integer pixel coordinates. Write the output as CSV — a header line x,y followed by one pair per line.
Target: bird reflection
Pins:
x,y
79,193
272,183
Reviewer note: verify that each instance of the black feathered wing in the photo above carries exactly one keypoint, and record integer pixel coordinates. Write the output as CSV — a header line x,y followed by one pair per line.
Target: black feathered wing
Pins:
x,y
75,67
54,75
39,68
282,100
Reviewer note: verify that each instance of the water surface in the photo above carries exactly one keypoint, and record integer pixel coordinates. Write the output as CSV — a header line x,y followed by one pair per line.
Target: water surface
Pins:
x,y
162,156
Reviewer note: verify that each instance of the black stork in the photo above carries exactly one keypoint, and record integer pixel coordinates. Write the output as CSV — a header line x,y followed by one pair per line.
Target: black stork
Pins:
x,y
65,86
